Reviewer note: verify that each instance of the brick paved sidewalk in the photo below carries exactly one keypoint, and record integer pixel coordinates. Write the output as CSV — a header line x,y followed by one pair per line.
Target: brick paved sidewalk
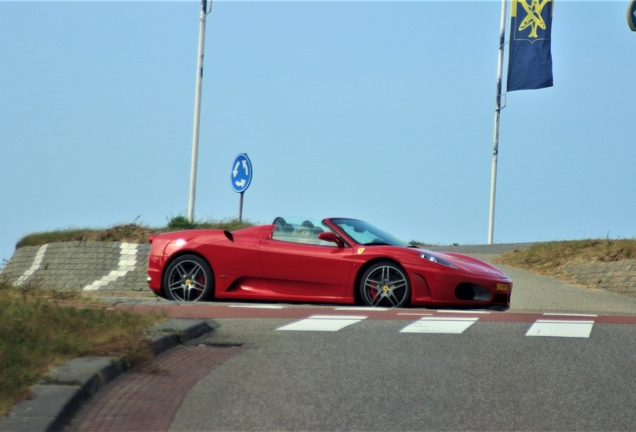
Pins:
x,y
147,400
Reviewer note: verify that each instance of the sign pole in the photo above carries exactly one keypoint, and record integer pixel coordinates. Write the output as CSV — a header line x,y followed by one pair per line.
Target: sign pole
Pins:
x,y
241,207
241,178
495,152
197,111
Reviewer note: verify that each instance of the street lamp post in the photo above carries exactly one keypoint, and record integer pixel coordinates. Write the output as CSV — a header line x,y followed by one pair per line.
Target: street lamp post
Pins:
x,y
495,152
197,111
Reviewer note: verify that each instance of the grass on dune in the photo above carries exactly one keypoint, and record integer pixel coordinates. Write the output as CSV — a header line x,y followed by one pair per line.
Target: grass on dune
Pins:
x,y
548,258
41,328
131,233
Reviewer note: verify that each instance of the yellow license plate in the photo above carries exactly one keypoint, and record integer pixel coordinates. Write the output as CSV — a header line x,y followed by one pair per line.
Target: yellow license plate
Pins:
x,y
502,287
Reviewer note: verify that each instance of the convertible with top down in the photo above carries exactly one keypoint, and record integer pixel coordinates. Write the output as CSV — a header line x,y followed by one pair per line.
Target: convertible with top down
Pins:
x,y
335,260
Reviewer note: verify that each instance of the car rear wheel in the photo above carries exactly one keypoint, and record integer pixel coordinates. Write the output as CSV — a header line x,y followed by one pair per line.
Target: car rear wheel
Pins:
x,y
385,284
188,278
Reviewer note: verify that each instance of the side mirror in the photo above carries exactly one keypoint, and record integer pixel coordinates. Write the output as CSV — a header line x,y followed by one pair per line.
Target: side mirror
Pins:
x,y
330,237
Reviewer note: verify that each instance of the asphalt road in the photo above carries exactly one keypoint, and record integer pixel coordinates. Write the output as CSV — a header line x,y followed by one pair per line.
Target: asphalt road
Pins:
x,y
371,376
368,376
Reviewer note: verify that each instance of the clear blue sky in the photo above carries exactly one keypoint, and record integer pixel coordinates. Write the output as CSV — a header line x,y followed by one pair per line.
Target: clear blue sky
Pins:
x,y
381,111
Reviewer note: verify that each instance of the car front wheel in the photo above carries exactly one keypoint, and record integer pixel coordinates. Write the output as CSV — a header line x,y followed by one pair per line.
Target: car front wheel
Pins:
x,y
188,278
385,284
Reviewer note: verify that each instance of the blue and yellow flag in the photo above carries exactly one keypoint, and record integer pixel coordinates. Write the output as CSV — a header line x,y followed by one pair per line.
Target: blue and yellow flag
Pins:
x,y
530,61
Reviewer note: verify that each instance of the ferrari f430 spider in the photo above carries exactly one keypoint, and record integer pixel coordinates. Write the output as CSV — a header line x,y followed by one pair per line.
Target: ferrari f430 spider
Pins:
x,y
335,260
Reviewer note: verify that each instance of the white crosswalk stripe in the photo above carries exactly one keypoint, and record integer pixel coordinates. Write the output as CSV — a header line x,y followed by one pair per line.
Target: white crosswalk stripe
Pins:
x,y
561,328
455,325
331,323
558,325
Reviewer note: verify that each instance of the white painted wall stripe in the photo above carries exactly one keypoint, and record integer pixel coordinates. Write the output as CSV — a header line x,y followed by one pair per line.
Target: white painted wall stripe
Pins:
x,y
35,266
127,263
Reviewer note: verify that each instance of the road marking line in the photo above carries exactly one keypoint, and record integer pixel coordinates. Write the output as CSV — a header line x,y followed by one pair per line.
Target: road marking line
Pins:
x,y
440,325
463,311
566,321
322,323
378,309
258,306
569,314
561,328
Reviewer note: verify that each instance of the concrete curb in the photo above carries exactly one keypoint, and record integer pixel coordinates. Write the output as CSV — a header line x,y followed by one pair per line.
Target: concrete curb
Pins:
x,y
59,396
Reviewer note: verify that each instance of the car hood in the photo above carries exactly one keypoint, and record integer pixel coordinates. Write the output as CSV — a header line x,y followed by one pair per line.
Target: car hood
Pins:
x,y
468,264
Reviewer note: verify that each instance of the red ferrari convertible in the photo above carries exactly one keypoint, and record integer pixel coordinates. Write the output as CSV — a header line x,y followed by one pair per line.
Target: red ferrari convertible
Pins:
x,y
335,260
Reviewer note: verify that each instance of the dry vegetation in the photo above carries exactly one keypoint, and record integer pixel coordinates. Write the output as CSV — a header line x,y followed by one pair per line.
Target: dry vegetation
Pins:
x,y
548,258
41,328
130,233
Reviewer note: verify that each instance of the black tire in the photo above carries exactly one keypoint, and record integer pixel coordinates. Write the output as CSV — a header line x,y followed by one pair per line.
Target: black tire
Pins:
x,y
385,284
188,278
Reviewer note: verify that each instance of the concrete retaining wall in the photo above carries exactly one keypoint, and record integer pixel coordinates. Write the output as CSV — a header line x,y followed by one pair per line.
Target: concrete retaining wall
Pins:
x,y
87,266
618,276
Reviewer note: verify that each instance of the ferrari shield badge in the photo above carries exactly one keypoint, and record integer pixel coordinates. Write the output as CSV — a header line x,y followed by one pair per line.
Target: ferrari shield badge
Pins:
x,y
360,250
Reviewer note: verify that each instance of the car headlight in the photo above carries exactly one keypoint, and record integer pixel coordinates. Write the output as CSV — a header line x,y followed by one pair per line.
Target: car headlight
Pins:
x,y
436,259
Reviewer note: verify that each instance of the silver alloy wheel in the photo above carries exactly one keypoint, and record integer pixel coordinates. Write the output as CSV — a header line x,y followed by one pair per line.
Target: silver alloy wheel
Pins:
x,y
187,281
385,284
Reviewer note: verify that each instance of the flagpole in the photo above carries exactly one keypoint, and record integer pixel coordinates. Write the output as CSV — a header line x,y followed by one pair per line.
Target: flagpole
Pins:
x,y
197,112
493,180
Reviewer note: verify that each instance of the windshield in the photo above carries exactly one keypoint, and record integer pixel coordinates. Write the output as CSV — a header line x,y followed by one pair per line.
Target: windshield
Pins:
x,y
366,234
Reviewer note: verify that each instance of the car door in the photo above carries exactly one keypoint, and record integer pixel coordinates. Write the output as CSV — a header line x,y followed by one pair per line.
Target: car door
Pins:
x,y
300,269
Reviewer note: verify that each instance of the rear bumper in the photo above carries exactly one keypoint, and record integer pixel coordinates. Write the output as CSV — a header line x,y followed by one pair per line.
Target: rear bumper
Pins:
x,y
155,264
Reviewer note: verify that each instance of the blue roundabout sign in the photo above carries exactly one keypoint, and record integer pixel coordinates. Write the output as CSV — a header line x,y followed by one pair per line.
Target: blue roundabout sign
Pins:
x,y
241,173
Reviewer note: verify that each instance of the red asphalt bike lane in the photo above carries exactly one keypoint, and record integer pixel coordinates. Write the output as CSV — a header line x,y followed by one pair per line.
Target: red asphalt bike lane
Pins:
x,y
147,400
264,311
